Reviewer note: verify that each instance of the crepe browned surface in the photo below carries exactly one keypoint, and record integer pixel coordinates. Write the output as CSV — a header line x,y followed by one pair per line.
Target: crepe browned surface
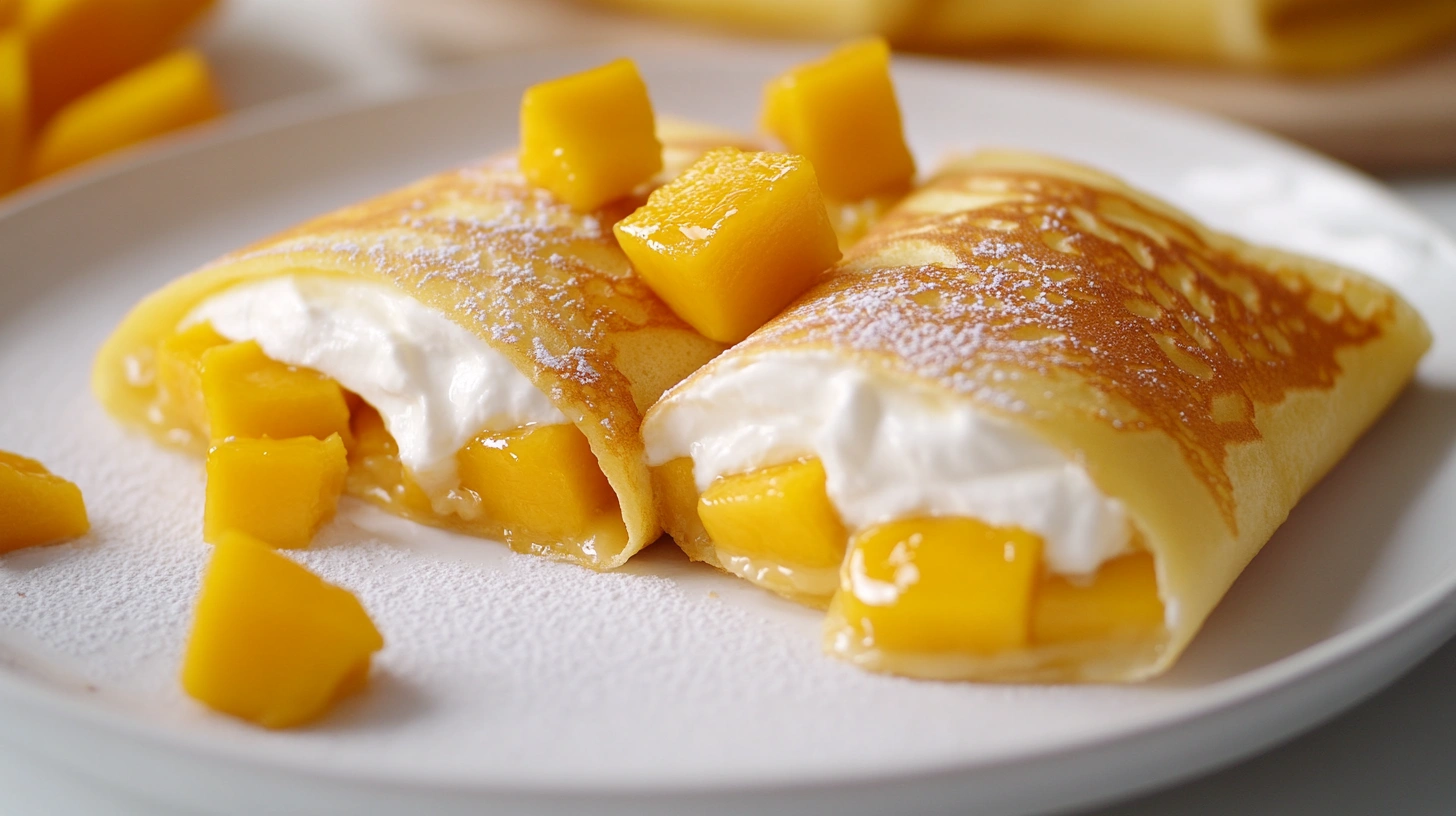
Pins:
x,y
1204,382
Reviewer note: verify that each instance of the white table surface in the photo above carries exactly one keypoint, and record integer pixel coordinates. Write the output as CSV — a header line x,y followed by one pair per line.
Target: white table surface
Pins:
x,y
1392,754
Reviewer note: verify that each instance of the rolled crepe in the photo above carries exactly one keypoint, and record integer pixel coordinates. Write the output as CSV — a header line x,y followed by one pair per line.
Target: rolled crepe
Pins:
x,y
541,286
1034,345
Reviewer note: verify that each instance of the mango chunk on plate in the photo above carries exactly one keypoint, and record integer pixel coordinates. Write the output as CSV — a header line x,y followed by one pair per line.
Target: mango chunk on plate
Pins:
x,y
1120,599
941,585
249,395
542,479
36,506
779,514
159,97
14,109
732,240
179,372
77,45
271,642
278,490
590,137
841,114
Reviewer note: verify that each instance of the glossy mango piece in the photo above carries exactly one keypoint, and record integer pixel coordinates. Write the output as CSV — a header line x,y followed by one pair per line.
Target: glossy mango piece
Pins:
x,y
541,479
248,395
780,515
14,109
941,585
732,240
1119,600
78,45
590,137
179,373
168,94
277,490
271,642
36,506
841,114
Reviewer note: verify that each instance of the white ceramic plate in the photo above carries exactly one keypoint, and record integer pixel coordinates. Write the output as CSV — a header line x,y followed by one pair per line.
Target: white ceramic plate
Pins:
x,y
534,687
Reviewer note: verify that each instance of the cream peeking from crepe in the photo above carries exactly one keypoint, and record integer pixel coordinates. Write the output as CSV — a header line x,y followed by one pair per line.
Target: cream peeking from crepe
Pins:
x,y
1032,428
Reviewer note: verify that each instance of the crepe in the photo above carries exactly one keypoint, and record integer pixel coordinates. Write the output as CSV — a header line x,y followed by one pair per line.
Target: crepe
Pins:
x,y
542,285
1202,384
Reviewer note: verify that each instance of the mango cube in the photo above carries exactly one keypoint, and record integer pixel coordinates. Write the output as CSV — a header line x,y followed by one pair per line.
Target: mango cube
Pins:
x,y
37,507
941,585
162,96
14,109
841,114
271,642
249,395
279,490
732,240
76,45
179,372
590,137
779,514
542,479
1120,599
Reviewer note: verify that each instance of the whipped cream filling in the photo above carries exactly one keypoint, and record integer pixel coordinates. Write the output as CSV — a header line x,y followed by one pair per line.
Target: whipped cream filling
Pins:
x,y
435,384
889,452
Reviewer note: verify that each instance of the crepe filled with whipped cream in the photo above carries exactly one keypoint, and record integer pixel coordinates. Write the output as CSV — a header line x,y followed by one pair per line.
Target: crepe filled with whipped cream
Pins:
x,y
493,347
1032,427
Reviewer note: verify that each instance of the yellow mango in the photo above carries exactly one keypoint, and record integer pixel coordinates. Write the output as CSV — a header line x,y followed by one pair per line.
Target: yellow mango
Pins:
x,y
374,465
543,479
590,138
279,490
179,372
781,515
271,642
841,114
1120,599
77,45
14,109
941,585
168,94
732,240
37,507
249,395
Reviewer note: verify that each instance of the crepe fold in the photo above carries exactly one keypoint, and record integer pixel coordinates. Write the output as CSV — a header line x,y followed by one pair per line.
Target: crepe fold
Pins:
x,y
543,285
1204,383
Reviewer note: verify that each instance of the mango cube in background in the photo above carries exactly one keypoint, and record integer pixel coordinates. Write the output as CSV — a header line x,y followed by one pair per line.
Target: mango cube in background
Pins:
x,y
840,113
732,240
1121,599
179,372
37,507
77,45
941,585
271,642
781,514
590,138
278,490
249,395
14,109
167,94
543,480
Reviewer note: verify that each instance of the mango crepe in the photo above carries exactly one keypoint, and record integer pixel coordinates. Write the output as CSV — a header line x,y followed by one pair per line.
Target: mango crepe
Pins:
x,y
1031,428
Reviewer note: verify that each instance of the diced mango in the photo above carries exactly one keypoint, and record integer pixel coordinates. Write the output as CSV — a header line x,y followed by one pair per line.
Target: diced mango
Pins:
x,y
179,373
162,96
1120,599
278,490
542,479
37,507
271,642
590,137
14,109
249,395
779,514
732,240
76,45
941,585
374,467
841,114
